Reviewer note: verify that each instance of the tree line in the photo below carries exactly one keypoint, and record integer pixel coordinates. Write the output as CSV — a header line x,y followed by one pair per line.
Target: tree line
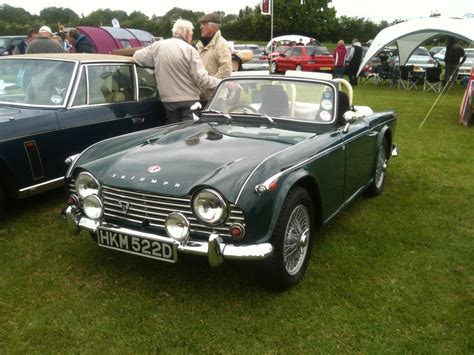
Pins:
x,y
314,18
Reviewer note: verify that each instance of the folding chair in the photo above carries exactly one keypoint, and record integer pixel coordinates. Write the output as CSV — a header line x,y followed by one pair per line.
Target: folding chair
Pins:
x,y
407,79
433,80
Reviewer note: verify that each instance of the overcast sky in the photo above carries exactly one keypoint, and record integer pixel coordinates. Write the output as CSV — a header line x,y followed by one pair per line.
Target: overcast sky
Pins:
x,y
376,10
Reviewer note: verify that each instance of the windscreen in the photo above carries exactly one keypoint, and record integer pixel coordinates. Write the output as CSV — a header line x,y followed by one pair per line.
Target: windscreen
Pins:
x,y
35,82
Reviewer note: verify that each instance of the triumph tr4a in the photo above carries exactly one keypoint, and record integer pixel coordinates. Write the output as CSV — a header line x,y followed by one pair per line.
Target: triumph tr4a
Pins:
x,y
269,160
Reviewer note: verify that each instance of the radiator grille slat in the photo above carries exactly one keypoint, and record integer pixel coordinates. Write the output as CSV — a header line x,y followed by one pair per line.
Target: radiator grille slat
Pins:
x,y
155,209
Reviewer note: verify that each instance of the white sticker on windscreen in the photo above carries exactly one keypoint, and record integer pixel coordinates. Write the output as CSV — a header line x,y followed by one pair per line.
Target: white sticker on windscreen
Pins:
x,y
325,116
326,104
56,99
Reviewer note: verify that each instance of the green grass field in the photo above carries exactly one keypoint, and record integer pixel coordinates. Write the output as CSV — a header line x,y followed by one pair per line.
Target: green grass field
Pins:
x,y
392,274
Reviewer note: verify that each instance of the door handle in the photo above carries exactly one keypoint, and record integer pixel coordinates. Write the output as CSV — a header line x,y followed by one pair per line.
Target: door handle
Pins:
x,y
372,133
138,120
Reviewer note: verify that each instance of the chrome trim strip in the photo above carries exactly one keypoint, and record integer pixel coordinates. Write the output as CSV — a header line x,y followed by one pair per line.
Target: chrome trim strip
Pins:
x,y
44,186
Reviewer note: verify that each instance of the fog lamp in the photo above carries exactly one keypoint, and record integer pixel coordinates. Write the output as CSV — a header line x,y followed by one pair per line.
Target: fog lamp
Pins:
x,y
93,207
177,227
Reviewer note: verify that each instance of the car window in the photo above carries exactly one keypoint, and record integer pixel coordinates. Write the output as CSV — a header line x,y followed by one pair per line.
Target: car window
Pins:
x,y
80,97
421,51
291,100
317,50
146,84
35,82
296,52
110,83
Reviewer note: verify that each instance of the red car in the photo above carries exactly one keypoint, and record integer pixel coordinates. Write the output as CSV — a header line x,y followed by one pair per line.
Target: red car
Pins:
x,y
304,58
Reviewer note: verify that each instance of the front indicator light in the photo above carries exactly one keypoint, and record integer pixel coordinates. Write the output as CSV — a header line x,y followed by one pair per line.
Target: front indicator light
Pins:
x,y
93,207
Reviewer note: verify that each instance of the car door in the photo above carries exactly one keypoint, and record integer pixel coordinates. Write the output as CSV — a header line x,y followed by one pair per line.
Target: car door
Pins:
x,y
359,144
109,100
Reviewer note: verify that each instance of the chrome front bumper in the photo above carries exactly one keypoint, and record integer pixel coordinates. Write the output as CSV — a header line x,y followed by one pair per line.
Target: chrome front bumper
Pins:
x,y
215,249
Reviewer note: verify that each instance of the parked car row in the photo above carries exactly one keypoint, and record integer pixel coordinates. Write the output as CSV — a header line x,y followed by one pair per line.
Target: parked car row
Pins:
x,y
56,105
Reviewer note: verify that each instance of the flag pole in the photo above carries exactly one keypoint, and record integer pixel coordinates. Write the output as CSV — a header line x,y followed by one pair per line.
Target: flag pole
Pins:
x,y
271,20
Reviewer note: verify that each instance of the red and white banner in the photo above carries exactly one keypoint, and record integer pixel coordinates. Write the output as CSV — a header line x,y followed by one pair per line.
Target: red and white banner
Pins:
x,y
266,7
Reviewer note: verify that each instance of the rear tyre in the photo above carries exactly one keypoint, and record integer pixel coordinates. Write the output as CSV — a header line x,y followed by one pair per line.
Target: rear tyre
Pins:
x,y
380,172
273,68
2,199
291,242
298,68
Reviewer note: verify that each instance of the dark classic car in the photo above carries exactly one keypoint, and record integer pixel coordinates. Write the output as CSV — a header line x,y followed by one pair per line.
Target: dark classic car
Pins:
x,y
56,105
268,161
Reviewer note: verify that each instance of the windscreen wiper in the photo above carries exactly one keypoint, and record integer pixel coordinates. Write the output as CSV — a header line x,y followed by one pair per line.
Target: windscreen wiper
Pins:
x,y
226,115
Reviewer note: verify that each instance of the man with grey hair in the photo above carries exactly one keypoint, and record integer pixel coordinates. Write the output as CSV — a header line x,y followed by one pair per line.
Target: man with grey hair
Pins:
x,y
214,50
179,71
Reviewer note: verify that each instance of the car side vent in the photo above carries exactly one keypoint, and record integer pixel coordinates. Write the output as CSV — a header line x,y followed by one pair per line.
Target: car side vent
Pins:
x,y
34,159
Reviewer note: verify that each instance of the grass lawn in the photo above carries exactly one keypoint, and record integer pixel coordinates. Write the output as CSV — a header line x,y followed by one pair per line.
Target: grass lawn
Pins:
x,y
392,274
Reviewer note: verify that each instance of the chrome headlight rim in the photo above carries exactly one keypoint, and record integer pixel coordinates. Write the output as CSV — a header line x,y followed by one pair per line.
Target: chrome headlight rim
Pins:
x,y
88,204
91,178
223,204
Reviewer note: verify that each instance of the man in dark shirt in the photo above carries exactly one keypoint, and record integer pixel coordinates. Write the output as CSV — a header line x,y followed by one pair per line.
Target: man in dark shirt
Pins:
x,y
21,47
453,58
44,43
80,42
355,58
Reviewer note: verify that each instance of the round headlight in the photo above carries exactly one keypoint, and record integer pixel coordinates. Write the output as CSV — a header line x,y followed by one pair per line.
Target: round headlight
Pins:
x,y
177,226
209,207
86,185
93,207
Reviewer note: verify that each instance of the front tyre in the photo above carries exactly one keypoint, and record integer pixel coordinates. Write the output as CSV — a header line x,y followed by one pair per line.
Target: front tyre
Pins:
x,y
292,242
273,68
380,172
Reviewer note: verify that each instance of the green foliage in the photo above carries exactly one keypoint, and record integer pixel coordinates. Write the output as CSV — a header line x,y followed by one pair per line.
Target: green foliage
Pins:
x,y
389,275
314,18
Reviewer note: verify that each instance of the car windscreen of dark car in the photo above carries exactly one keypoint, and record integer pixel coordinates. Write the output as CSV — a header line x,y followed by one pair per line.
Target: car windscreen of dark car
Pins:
x,y
35,82
293,101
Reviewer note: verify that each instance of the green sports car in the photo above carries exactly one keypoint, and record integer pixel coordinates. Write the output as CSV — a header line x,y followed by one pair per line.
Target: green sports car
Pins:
x,y
269,160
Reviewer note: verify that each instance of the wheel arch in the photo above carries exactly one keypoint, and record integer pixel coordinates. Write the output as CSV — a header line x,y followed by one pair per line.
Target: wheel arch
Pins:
x,y
300,178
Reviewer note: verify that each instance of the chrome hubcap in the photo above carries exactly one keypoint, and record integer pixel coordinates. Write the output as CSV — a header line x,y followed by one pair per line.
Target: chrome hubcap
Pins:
x,y
296,240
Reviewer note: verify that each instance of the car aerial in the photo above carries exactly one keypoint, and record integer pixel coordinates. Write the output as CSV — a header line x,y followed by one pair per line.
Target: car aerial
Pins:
x,y
303,58
269,160
9,43
420,58
259,60
466,67
55,105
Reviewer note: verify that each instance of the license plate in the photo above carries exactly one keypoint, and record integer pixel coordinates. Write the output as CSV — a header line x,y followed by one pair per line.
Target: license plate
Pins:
x,y
325,68
147,247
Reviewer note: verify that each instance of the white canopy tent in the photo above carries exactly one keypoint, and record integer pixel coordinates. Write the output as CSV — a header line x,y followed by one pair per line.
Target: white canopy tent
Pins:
x,y
411,34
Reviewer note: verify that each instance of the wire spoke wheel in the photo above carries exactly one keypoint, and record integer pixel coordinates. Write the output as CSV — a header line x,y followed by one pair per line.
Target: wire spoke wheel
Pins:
x,y
381,168
295,244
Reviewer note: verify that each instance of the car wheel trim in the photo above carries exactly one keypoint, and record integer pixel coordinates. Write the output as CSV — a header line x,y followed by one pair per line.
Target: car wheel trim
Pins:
x,y
296,240
298,68
381,168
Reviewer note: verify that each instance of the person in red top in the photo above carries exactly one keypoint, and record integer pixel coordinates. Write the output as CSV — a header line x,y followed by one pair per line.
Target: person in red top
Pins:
x,y
340,54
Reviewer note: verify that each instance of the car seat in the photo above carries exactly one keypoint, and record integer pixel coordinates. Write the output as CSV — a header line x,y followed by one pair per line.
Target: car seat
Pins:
x,y
274,101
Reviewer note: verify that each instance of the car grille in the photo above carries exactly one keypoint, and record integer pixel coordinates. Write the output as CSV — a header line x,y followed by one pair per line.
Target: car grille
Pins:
x,y
154,209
